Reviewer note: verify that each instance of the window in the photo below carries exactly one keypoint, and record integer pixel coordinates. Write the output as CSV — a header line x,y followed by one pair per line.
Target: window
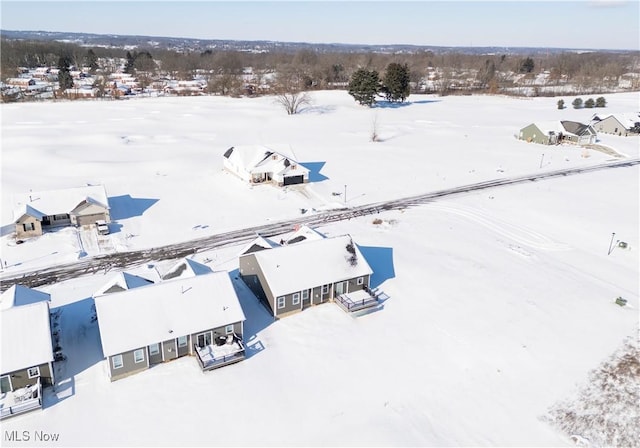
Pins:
x,y
60,217
325,289
228,329
5,384
305,294
296,299
117,362
360,281
182,341
138,356
281,302
33,372
28,226
154,349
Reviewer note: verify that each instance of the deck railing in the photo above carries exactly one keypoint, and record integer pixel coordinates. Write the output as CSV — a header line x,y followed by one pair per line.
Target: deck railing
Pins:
x,y
24,403
350,305
223,360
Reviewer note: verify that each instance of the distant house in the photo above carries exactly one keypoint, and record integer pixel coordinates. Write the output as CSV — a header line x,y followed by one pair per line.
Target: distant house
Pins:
x,y
617,124
556,132
293,277
20,82
199,316
27,349
259,164
35,212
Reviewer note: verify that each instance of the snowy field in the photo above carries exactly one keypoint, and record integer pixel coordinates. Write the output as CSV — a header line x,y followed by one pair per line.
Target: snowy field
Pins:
x,y
501,302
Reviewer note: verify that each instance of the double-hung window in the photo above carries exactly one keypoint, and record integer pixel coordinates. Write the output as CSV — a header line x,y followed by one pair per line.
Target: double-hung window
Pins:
x,y
138,356
117,362
281,302
296,299
33,372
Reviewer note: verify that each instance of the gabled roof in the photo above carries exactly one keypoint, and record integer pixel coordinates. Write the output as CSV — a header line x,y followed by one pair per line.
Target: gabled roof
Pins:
x,y
26,337
257,159
260,243
186,268
122,282
628,120
52,202
576,128
304,233
18,295
142,316
299,266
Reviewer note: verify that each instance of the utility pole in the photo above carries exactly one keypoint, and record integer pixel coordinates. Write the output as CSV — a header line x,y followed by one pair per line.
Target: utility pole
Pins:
x,y
611,243
541,159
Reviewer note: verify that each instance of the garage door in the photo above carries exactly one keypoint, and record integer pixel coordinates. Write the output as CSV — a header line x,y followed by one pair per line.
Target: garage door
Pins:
x,y
291,180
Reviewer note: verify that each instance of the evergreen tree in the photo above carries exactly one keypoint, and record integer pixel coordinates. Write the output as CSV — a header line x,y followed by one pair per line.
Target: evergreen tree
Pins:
x,y
129,66
589,103
364,86
65,81
527,66
91,61
577,103
560,104
601,102
396,82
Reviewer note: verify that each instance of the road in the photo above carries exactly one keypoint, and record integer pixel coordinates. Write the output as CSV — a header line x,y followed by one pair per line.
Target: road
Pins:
x,y
120,260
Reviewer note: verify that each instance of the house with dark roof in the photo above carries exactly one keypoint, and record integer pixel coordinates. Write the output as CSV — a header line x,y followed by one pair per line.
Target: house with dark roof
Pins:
x,y
557,132
36,212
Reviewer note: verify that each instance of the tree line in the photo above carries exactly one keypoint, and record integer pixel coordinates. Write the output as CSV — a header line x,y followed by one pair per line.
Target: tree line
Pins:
x,y
308,70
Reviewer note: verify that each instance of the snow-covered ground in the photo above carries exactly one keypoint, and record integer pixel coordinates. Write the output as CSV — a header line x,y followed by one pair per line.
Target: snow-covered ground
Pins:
x,y
501,302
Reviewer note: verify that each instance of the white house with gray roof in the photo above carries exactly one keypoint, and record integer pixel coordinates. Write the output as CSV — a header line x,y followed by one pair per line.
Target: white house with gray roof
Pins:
x,y
292,277
26,359
35,212
199,316
618,124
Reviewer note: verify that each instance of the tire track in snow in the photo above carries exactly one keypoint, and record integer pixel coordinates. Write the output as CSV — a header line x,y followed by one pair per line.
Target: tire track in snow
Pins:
x,y
519,234
120,260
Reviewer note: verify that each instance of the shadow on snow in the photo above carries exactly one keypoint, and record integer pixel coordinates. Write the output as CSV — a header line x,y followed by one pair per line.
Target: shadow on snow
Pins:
x,y
123,207
78,338
255,312
381,261
314,171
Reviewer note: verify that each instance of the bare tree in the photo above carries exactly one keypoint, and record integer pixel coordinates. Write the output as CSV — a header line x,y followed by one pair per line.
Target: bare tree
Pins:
x,y
293,101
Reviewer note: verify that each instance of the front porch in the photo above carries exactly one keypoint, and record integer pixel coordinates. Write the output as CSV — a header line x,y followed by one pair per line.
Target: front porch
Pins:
x,y
357,300
222,352
21,400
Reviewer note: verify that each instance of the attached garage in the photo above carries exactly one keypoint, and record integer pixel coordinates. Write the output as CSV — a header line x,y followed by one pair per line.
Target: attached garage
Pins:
x,y
292,180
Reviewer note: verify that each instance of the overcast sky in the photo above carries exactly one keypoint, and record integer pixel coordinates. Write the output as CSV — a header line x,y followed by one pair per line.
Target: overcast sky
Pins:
x,y
580,24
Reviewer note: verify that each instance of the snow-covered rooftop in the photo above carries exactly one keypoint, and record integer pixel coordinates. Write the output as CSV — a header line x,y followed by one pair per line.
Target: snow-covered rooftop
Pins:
x,y
122,282
53,202
316,263
142,316
257,159
260,243
628,120
304,233
186,268
18,295
26,336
